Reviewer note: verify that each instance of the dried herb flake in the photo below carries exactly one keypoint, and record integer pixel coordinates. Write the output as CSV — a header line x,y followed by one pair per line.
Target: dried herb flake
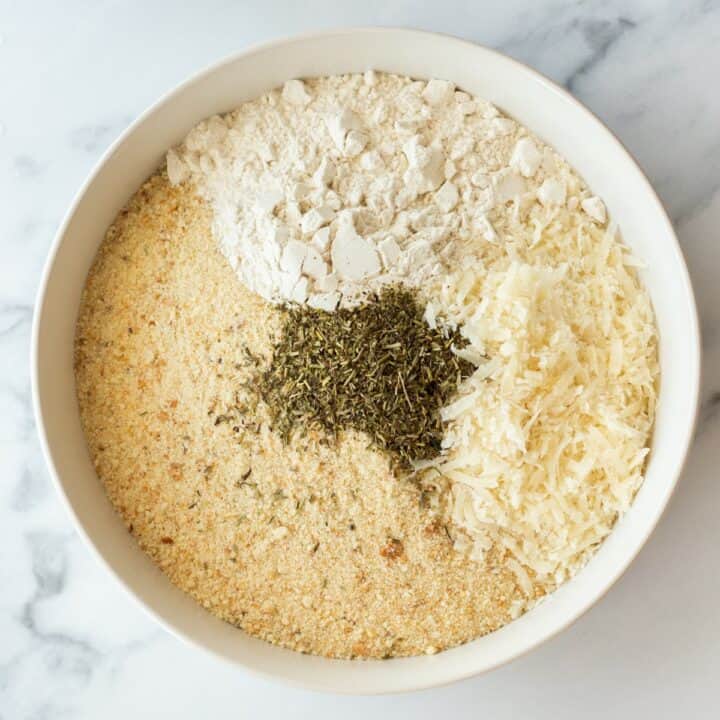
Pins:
x,y
377,368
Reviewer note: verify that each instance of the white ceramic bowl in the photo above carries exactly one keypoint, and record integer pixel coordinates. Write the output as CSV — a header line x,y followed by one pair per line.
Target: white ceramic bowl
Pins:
x,y
536,102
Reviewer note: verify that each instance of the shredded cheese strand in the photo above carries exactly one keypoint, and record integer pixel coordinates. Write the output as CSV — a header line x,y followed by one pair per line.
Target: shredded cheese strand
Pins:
x,y
547,441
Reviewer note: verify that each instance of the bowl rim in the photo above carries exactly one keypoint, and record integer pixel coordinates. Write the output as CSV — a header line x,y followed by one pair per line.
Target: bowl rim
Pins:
x,y
684,444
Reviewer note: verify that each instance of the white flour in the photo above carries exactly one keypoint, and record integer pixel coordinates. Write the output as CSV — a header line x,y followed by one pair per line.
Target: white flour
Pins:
x,y
327,189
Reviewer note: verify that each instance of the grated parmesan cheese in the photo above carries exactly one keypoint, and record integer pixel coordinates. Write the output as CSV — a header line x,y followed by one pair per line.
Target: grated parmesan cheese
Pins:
x,y
547,441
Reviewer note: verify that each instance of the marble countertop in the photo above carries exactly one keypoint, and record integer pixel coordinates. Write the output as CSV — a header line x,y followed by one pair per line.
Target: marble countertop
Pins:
x,y
72,76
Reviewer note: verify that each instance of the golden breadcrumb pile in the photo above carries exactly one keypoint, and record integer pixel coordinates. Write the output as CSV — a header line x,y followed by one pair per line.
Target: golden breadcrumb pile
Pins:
x,y
314,546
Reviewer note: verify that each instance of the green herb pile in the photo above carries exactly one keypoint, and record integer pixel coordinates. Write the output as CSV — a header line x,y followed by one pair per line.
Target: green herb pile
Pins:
x,y
378,368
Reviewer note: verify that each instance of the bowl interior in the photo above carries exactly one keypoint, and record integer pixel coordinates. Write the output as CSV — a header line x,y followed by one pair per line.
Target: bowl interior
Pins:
x,y
534,101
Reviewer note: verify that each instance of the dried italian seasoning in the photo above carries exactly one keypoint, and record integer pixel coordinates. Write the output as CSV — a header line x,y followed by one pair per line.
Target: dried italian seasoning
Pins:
x,y
377,368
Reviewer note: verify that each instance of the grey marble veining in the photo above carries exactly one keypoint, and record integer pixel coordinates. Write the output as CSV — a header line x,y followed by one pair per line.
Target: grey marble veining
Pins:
x,y
72,77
